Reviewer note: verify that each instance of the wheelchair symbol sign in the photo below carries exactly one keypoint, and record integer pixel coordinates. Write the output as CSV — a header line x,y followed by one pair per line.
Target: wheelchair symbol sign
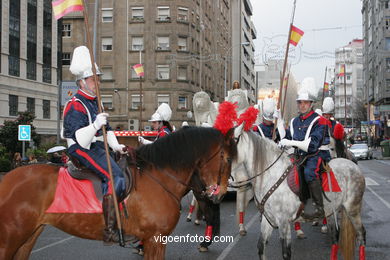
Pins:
x,y
24,133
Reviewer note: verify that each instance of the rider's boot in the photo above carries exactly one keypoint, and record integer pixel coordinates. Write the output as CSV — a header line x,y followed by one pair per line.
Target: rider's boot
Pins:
x,y
110,233
316,194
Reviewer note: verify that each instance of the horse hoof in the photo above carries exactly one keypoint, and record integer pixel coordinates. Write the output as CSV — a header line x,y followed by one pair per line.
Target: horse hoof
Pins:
x,y
243,233
300,234
188,219
203,249
324,229
197,222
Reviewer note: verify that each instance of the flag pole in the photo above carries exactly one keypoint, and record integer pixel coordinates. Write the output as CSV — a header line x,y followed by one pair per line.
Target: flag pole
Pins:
x,y
345,89
285,92
140,94
99,100
323,89
284,68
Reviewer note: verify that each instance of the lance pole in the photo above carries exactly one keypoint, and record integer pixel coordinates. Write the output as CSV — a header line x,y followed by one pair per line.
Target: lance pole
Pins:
x,y
99,100
323,88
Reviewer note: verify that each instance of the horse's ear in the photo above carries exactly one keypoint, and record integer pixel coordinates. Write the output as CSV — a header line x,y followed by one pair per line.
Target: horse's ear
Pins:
x,y
229,135
238,130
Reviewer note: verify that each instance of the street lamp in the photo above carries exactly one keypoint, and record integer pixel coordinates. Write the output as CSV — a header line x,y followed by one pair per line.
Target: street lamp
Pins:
x,y
226,53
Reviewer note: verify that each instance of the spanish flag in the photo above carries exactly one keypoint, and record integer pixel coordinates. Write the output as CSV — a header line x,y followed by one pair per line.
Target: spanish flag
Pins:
x,y
342,70
326,86
63,7
139,69
296,35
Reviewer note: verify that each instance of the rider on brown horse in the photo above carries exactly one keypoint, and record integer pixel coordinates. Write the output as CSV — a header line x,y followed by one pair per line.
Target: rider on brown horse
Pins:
x,y
83,133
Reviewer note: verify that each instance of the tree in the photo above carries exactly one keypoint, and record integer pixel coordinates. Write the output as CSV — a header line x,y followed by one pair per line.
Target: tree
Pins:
x,y
9,132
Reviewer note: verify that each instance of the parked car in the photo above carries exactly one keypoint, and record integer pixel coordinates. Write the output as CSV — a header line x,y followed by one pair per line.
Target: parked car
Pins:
x,y
361,151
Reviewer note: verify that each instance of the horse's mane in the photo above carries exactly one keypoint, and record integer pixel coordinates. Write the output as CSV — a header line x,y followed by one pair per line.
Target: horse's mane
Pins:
x,y
262,147
179,150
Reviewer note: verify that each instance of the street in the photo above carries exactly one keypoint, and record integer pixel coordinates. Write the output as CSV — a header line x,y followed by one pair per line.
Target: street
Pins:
x,y
54,244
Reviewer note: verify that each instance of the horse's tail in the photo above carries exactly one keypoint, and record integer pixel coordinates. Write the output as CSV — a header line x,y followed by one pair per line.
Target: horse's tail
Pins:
x,y
347,237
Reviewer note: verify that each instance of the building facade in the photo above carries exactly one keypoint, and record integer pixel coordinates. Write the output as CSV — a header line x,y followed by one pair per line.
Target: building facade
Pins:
x,y
242,47
349,98
29,64
180,44
268,85
376,35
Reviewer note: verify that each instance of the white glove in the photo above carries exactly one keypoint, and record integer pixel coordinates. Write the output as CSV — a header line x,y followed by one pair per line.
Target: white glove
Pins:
x,y
143,140
113,143
277,114
303,145
101,119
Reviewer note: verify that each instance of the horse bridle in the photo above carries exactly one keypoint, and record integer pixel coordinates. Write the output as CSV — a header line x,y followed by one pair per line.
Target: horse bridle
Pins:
x,y
202,192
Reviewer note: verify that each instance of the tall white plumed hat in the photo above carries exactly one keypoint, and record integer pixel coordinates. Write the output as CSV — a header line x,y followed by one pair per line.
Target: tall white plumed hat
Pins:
x,y
307,90
163,113
268,109
328,106
81,63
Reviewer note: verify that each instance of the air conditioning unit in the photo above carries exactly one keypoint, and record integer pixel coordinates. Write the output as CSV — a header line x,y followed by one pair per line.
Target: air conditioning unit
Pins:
x,y
133,125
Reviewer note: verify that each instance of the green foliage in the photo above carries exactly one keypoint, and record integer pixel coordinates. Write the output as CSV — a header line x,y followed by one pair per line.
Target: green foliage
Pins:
x,y
5,163
9,133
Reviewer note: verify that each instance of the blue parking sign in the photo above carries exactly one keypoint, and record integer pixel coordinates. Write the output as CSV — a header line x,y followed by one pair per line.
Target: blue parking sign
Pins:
x,y
24,133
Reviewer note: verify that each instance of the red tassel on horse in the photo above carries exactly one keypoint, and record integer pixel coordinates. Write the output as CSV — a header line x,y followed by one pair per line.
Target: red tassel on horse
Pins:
x,y
227,115
338,131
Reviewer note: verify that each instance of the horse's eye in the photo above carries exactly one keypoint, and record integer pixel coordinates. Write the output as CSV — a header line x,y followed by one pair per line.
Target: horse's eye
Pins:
x,y
229,160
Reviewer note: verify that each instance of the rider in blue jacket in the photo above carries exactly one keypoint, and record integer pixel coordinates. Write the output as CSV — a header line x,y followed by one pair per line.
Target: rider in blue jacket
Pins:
x,y
308,131
82,129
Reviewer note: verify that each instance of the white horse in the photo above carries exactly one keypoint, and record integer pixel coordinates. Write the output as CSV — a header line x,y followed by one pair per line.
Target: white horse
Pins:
x,y
281,207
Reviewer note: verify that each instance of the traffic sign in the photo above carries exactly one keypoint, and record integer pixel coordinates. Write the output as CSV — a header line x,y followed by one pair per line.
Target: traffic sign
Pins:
x,y
24,133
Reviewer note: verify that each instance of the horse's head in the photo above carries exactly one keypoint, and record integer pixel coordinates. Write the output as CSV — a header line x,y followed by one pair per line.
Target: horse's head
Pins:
x,y
215,168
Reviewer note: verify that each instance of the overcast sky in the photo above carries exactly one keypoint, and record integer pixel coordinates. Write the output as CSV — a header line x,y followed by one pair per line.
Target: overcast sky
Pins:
x,y
272,19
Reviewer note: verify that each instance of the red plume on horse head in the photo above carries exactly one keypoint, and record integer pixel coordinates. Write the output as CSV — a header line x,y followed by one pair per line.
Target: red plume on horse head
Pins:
x,y
227,115
338,131
248,118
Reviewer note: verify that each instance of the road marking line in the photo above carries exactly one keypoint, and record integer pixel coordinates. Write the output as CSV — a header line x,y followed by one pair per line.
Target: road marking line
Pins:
x,y
53,244
379,197
384,162
229,248
371,182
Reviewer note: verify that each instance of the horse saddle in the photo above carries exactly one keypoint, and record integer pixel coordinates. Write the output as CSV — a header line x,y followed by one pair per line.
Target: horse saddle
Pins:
x,y
296,180
79,189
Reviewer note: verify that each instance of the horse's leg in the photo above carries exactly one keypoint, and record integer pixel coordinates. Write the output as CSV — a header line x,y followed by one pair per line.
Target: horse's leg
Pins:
x,y
154,250
192,207
356,220
243,197
265,233
212,215
285,239
334,233
199,213
24,251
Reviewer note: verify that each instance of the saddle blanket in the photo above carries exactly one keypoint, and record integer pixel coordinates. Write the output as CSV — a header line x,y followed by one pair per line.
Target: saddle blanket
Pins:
x,y
74,196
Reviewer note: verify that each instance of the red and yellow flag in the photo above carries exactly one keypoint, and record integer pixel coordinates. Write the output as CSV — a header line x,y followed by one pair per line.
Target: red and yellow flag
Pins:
x,y
139,69
326,86
63,7
296,35
342,70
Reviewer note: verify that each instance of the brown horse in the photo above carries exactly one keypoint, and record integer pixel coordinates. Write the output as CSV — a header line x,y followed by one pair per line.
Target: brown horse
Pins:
x,y
192,158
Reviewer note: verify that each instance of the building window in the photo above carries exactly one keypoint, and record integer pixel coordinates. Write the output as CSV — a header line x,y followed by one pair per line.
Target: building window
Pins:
x,y
14,38
182,14
13,105
107,73
162,72
182,73
31,105
135,101
107,101
137,13
31,39
182,102
182,43
162,42
137,43
47,41
163,13
348,77
387,85
66,30
65,58
162,98
107,15
46,109
106,44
